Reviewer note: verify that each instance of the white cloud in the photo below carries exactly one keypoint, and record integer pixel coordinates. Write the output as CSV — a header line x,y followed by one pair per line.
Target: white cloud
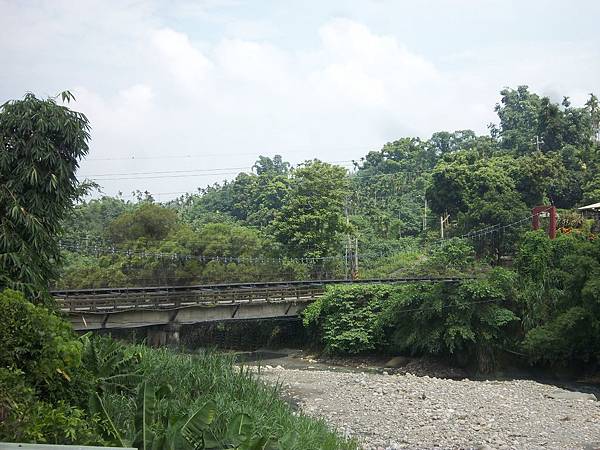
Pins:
x,y
154,89
189,67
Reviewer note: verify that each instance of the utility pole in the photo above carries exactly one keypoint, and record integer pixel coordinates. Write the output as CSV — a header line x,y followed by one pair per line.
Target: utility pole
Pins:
x,y
355,268
443,220
442,227
425,215
348,243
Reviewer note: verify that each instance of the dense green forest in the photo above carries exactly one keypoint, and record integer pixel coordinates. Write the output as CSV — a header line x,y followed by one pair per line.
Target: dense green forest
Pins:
x,y
316,220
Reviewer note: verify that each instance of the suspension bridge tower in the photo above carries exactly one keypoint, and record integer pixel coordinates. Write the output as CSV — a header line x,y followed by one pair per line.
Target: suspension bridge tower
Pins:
x,y
544,211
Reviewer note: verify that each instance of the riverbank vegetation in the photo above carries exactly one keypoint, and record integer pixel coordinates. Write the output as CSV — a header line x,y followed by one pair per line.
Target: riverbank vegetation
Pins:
x,y
57,388
546,309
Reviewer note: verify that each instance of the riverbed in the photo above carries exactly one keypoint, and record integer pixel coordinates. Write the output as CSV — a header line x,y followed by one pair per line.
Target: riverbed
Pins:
x,y
386,410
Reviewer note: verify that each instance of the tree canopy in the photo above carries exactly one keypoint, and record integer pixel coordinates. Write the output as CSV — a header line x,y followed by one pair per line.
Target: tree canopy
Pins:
x,y
41,145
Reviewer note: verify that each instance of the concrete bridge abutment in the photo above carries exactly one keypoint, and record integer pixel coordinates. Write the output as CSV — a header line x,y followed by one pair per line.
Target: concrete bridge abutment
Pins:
x,y
164,335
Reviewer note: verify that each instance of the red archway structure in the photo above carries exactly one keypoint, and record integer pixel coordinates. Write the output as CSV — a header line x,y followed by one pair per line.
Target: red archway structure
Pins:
x,y
544,209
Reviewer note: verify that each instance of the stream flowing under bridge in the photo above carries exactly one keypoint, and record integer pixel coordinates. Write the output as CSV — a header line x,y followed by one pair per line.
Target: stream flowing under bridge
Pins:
x,y
172,306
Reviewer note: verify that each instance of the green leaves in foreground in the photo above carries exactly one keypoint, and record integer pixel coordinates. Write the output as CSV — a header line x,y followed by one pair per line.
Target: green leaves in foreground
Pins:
x,y
188,432
145,415
195,427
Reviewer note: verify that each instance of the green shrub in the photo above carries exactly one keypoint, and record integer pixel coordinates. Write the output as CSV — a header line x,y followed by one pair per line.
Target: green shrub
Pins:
x,y
572,335
560,298
450,255
39,343
41,422
42,384
346,317
473,318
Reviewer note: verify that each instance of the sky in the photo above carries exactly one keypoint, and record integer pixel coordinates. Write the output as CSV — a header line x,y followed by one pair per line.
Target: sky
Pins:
x,y
181,94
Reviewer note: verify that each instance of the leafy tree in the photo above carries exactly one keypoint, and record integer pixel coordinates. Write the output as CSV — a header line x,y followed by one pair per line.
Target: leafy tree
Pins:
x,y
518,111
473,318
148,220
444,142
275,165
41,144
403,155
540,176
90,219
593,108
312,218
346,318
44,348
478,194
446,320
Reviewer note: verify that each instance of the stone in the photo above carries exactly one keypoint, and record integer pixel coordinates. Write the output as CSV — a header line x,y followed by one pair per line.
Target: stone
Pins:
x,y
417,412
570,395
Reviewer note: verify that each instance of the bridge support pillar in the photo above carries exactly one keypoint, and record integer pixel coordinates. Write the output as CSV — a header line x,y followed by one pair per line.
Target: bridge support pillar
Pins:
x,y
165,335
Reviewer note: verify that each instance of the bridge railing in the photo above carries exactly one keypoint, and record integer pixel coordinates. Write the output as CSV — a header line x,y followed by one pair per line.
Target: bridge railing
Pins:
x,y
173,297
168,300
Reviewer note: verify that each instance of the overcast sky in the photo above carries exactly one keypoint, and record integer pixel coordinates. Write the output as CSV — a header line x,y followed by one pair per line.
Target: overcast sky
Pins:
x,y
188,87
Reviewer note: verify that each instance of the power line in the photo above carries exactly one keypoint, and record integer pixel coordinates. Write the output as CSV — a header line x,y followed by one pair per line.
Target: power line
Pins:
x,y
192,156
353,177
165,176
163,172
499,227
216,169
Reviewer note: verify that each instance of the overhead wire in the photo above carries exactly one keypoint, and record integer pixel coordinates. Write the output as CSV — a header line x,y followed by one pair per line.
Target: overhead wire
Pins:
x,y
204,155
217,170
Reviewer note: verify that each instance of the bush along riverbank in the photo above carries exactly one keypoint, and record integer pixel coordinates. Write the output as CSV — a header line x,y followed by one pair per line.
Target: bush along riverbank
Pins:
x,y
56,388
544,312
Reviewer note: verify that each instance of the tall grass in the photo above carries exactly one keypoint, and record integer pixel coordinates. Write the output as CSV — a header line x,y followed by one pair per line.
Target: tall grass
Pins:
x,y
197,378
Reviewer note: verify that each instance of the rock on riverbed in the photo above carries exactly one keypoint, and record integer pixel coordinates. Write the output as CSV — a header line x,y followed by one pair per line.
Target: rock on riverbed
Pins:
x,y
406,411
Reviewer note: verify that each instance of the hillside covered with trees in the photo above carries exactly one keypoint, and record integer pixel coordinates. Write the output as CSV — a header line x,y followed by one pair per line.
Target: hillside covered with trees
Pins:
x,y
317,219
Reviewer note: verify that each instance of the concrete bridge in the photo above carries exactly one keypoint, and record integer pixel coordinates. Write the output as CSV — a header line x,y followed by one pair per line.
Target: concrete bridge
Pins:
x,y
166,308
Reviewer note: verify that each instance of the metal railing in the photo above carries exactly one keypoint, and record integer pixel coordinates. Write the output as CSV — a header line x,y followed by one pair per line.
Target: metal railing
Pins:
x,y
173,297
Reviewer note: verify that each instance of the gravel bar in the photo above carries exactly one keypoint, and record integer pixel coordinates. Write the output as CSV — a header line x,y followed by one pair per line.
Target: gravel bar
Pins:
x,y
422,412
